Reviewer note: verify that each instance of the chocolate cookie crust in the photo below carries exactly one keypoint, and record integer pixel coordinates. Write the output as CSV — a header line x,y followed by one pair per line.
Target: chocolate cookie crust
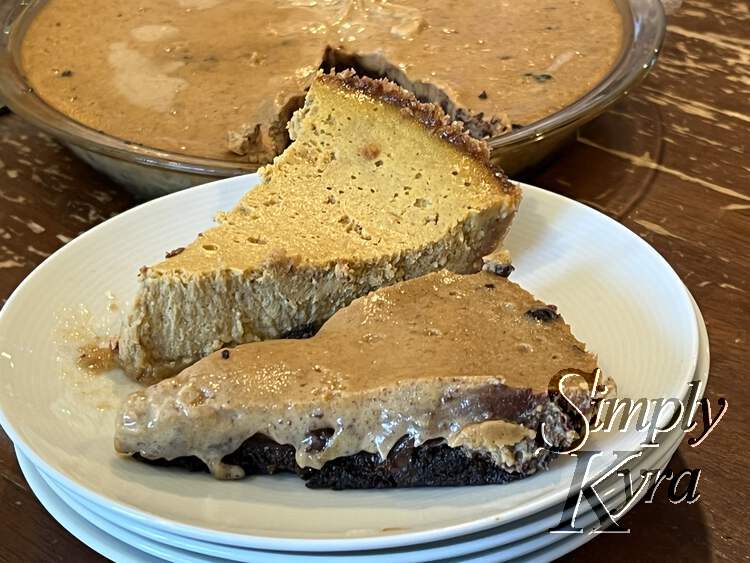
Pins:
x,y
433,464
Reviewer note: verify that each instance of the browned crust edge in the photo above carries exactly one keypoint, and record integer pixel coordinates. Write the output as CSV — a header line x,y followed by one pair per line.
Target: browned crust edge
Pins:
x,y
429,115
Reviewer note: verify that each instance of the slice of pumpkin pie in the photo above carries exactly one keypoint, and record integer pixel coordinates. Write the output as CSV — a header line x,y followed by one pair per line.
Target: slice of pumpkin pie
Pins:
x,y
376,188
445,379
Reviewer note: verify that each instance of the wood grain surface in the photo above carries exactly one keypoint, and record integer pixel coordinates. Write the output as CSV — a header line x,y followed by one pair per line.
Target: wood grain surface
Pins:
x,y
670,162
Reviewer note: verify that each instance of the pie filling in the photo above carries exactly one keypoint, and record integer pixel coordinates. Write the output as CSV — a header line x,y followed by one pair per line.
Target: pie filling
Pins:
x,y
464,360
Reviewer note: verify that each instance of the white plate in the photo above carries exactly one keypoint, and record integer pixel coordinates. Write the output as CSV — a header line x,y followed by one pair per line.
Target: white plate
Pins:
x,y
492,542
618,294
186,552
95,538
529,535
513,540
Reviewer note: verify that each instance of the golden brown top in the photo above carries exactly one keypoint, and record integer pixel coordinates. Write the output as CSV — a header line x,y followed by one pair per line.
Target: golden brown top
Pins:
x,y
179,74
426,357
371,173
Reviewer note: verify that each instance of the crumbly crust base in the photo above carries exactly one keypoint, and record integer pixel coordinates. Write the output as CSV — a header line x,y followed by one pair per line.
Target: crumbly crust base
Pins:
x,y
433,464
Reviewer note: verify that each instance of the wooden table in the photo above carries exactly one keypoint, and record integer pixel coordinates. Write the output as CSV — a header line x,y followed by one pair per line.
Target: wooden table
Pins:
x,y
670,162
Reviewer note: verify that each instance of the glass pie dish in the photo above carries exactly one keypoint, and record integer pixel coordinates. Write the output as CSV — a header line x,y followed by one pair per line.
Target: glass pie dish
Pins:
x,y
148,172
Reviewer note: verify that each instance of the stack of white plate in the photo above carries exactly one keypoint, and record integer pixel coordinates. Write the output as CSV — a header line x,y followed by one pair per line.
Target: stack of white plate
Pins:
x,y
617,293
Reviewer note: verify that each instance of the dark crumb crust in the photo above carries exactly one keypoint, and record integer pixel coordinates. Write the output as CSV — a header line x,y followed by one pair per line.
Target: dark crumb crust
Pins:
x,y
430,115
432,464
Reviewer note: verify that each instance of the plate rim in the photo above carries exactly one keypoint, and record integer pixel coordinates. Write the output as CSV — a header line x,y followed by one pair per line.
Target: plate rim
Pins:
x,y
56,508
671,445
310,544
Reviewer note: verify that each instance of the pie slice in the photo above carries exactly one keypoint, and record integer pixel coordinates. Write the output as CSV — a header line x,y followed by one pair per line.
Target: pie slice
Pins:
x,y
376,188
445,379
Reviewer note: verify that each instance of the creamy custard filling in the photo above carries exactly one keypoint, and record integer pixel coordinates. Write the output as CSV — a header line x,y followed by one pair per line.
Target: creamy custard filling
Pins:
x,y
466,359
